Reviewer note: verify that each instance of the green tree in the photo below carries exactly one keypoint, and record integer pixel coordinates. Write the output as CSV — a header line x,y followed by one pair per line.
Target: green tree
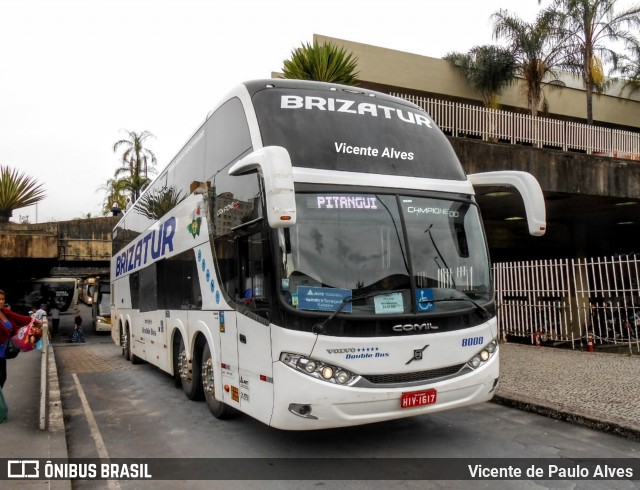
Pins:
x,y
489,69
137,162
587,26
17,190
322,62
538,53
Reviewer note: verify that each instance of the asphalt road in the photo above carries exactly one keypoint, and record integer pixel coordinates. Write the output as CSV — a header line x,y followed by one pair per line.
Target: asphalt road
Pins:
x,y
114,409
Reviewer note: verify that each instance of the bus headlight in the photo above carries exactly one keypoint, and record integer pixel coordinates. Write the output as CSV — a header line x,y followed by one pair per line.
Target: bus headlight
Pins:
x,y
319,369
484,355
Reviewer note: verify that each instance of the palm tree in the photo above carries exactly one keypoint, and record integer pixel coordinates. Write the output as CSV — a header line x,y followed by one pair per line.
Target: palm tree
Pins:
x,y
631,72
137,161
586,25
322,62
115,195
17,190
489,69
537,51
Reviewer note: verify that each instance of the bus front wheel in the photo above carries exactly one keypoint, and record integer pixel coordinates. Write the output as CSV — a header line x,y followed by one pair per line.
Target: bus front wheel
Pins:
x,y
217,408
190,373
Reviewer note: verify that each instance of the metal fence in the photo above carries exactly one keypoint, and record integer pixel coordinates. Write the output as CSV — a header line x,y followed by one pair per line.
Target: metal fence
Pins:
x,y
571,301
459,119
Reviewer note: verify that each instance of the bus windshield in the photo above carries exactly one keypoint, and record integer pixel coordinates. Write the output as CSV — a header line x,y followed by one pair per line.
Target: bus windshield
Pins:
x,y
388,254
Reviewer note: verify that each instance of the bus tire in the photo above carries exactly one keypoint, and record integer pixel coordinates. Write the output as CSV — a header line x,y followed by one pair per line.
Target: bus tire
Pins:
x,y
124,342
190,373
218,409
177,381
133,359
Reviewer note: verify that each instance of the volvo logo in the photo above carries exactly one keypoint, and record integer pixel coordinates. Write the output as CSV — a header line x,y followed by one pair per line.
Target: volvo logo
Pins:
x,y
341,351
414,327
417,355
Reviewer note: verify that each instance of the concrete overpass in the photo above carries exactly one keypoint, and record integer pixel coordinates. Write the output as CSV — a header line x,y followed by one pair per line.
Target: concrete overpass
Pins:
x,y
593,202
77,248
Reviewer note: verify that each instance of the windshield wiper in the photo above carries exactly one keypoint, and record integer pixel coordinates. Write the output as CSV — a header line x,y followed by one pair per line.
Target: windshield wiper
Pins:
x,y
478,306
435,246
318,328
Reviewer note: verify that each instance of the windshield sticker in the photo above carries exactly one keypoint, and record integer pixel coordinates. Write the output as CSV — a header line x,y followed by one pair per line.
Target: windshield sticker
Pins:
x,y
388,303
424,298
438,211
347,202
323,299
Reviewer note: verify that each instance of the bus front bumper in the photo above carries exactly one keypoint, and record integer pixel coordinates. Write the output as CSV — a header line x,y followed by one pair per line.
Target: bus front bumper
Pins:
x,y
305,403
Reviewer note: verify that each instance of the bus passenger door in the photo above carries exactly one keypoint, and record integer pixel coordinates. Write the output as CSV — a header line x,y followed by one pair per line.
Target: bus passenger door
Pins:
x,y
253,331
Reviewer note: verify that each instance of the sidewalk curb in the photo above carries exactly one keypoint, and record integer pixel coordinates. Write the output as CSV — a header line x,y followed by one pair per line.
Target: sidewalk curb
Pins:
x,y
559,413
57,433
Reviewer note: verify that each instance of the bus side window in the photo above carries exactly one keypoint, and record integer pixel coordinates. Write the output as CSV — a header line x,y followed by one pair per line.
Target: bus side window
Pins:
x,y
178,283
252,273
134,284
226,259
242,271
148,289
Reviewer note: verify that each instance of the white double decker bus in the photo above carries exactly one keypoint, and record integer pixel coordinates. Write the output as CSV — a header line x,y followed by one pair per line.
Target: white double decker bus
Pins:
x,y
314,257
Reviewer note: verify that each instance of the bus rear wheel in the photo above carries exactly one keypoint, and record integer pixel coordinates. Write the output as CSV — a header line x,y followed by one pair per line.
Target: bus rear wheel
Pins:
x,y
217,408
124,342
190,373
130,356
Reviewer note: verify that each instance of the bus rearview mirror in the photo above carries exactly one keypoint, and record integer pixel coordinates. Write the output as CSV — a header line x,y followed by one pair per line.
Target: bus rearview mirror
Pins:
x,y
274,165
529,189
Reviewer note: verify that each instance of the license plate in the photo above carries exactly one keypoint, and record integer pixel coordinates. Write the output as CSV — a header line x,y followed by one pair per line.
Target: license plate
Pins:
x,y
418,398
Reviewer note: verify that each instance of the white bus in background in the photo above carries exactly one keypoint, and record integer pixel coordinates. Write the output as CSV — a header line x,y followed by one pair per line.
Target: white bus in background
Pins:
x,y
319,262
58,291
101,306
88,286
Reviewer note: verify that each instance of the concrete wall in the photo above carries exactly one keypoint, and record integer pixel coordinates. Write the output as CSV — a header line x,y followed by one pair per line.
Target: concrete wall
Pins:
x,y
25,240
76,240
557,171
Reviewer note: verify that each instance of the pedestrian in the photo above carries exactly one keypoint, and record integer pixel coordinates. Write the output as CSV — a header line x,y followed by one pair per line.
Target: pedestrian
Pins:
x,y
41,313
10,321
78,332
55,319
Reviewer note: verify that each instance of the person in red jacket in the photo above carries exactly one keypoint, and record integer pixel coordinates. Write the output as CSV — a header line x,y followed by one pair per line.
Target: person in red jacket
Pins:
x,y
9,323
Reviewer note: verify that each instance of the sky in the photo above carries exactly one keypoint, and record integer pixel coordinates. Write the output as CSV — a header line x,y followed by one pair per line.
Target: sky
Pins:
x,y
74,74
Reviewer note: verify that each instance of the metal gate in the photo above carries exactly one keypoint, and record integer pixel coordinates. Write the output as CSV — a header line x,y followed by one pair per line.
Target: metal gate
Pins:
x,y
570,301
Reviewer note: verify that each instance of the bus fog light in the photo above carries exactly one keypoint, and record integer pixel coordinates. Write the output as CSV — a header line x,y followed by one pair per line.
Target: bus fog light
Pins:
x,y
327,372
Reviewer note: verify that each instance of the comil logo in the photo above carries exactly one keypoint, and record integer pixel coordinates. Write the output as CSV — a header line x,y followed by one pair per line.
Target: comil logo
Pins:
x,y
23,468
